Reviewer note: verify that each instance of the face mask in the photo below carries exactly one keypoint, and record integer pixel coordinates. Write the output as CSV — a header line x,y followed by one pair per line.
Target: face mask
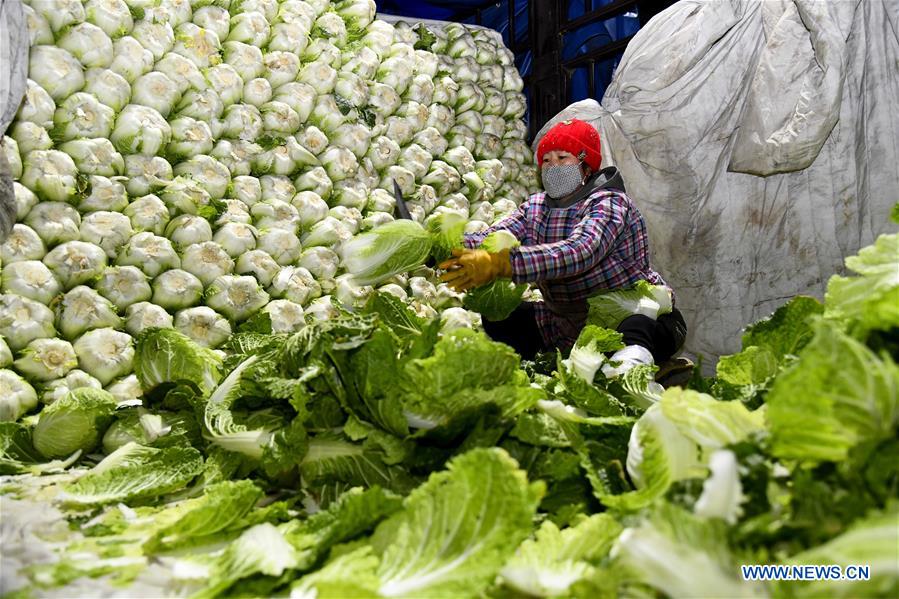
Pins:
x,y
559,181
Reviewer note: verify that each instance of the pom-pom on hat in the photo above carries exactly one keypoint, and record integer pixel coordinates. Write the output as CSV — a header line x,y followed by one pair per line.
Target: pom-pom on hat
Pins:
x,y
575,136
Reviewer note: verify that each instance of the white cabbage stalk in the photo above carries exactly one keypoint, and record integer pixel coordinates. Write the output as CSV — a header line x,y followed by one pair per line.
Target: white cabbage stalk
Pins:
x,y
279,118
470,95
243,58
421,90
210,174
22,320
55,70
291,37
46,359
82,115
201,46
123,286
51,174
23,243
144,315
236,155
60,14
235,212
374,220
462,136
213,18
399,129
89,44
103,194
236,238
246,189
417,114
381,200
54,222
332,27
327,232
471,119
383,152
190,138
326,114
322,309
416,159
37,105
75,262
394,290
83,309
298,96
177,289
39,32
460,158
25,200
157,91
352,88
13,160
146,173
403,176
474,226
140,130
494,125
426,64
59,388
320,261
225,80
496,105
446,91
158,37
350,216
237,297
503,207
277,187
297,12
260,264
275,214
383,99
310,206
350,295
188,229
184,196
299,154
467,71
17,397
275,161
315,180
203,105
207,261
149,252
131,59
95,156
105,354
515,106
483,211
396,72
363,63
250,28
296,284
355,137
126,389
203,325
313,139
339,163
350,193
431,140
488,146
286,316
379,37
148,213
281,67
442,118
107,230
257,92
323,50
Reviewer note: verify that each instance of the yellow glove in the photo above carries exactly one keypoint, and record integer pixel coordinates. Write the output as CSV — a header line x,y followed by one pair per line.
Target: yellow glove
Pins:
x,y
468,269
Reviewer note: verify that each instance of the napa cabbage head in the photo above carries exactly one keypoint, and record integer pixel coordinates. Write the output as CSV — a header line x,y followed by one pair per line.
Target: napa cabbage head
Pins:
x,y
390,249
609,309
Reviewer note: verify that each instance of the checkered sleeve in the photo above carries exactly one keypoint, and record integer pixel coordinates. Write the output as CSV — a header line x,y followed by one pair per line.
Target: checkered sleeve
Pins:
x,y
515,224
589,242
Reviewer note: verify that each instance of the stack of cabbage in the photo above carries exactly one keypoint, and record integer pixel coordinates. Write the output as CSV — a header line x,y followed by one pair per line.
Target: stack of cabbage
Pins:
x,y
188,164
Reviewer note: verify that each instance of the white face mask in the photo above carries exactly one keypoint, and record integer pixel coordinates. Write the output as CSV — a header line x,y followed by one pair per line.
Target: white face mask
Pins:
x,y
561,180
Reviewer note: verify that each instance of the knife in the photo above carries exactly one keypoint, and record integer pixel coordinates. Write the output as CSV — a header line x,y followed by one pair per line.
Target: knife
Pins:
x,y
401,208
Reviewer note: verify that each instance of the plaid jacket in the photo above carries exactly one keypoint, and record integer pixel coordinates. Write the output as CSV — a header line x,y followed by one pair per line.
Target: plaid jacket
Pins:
x,y
595,245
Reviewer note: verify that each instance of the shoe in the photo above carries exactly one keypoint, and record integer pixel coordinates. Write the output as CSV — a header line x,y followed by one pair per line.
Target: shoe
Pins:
x,y
675,372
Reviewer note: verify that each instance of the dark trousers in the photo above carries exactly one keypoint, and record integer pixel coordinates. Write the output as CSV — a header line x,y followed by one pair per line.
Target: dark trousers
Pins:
x,y
663,336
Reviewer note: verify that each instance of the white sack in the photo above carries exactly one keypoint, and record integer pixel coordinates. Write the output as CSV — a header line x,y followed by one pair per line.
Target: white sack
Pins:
x,y
761,142
13,72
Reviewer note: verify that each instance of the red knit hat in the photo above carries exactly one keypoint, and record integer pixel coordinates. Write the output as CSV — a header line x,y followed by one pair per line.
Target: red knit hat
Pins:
x,y
575,136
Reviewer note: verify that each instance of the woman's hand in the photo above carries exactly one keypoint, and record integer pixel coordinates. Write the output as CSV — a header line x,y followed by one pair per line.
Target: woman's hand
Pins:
x,y
468,269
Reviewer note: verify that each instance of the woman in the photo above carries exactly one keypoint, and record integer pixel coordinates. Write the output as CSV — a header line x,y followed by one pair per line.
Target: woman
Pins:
x,y
581,237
